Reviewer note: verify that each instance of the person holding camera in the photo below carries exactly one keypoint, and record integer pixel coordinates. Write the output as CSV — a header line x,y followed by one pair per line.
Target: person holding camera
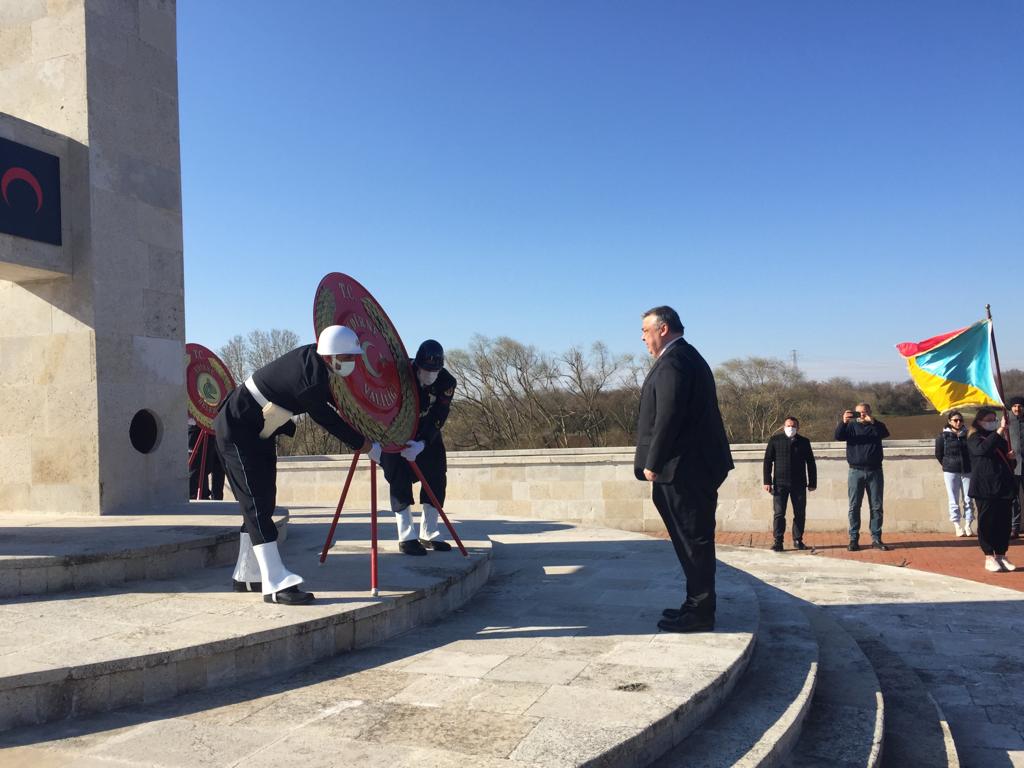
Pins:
x,y
992,486
790,456
952,455
863,436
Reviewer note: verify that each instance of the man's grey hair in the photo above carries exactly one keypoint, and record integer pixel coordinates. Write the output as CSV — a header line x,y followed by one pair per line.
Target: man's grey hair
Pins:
x,y
665,316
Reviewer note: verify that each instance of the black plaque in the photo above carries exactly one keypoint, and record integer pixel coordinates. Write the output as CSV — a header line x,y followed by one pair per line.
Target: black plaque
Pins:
x,y
29,193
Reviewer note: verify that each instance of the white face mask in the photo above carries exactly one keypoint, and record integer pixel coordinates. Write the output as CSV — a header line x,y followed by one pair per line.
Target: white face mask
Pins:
x,y
341,367
426,377
990,426
790,431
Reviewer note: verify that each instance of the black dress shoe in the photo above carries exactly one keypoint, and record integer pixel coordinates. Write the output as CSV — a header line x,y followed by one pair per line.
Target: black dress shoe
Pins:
x,y
854,547
411,547
246,586
877,544
438,545
675,613
289,596
800,545
777,546
688,622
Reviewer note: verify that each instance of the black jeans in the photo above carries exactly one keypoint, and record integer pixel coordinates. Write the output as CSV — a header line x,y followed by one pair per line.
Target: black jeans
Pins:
x,y
689,515
798,495
1015,516
993,525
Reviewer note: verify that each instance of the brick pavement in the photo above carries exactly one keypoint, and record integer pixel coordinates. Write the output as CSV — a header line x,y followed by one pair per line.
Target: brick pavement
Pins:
x,y
935,552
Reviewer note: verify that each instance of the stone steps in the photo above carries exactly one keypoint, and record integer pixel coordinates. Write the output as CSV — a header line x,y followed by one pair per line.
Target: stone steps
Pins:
x,y
844,725
46,555
75,655
556,662
916,730
759,724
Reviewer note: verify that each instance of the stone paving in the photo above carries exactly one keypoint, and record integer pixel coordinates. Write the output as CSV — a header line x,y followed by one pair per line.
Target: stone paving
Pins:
x,y
564,634
557,661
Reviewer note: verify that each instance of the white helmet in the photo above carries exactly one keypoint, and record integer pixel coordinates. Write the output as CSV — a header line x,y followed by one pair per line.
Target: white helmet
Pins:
x,y
338,340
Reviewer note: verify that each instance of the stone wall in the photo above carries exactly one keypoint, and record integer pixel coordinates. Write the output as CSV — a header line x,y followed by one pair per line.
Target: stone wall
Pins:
x,y
98,336
596,486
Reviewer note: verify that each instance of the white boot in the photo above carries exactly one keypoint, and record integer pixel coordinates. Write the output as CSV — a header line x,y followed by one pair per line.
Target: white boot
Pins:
x,y
958,529
403,520
246,577
274,575
428,524
967,529
429,535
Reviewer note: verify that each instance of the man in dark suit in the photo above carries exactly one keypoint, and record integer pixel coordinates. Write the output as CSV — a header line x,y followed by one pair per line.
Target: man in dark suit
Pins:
x,y
683,451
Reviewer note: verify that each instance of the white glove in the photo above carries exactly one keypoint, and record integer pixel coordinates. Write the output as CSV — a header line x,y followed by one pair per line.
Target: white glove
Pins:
x,y
374,453
412,449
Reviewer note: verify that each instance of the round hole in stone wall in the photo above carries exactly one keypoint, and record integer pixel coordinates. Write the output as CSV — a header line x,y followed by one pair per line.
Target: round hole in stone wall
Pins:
x,y
144,431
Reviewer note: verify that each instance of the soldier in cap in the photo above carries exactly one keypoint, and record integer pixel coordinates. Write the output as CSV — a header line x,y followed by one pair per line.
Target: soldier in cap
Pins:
x,y
436,389
248,421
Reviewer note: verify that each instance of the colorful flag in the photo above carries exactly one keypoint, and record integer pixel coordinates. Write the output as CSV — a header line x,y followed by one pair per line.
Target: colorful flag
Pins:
x,y
955,369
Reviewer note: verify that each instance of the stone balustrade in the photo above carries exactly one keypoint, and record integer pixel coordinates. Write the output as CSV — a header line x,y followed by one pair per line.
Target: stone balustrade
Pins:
x,y
596,486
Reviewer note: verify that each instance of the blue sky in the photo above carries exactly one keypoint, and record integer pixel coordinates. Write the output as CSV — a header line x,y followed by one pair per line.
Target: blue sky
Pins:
x,y
827,177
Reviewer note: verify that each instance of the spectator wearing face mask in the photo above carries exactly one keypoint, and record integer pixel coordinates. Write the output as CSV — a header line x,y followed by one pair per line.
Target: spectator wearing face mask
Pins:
x,y
436,390
992,486
1015,427
952,455
789,473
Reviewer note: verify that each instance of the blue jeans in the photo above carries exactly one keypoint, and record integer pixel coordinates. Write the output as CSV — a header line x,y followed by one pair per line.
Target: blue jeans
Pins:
x,y
873,481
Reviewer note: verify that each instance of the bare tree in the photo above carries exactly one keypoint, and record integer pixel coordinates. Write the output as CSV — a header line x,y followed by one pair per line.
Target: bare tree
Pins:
x,y
755,394
234,356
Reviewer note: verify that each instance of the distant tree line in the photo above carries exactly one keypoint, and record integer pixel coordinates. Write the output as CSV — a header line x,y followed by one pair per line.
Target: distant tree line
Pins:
x,y
512,395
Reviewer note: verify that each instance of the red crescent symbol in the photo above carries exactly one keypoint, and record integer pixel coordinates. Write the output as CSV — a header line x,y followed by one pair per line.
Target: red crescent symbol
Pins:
x,y
20,174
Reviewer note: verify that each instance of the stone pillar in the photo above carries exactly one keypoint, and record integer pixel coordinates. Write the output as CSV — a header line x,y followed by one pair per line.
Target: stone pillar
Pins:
x,y
92,331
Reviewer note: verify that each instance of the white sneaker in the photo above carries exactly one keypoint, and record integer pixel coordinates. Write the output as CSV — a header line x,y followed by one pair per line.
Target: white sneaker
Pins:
x,y
958,528
1007,565
992,564
967,529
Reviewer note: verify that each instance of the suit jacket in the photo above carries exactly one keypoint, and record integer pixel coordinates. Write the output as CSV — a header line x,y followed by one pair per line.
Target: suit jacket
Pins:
x,y
679,431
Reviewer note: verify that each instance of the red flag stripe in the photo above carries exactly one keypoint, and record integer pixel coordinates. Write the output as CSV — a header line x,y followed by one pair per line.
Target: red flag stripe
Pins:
x,y
911,348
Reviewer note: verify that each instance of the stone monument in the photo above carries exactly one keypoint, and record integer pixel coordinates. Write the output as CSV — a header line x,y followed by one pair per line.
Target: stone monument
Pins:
x,y
92,398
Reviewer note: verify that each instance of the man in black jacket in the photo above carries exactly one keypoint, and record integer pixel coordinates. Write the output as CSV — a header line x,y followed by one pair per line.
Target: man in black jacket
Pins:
x,y
248,421
436,390
683,451
863,436
790,456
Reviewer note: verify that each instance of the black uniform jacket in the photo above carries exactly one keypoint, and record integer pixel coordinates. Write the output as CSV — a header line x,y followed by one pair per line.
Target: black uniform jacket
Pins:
x,y
297,381
679,432
792,460
991,470
435,404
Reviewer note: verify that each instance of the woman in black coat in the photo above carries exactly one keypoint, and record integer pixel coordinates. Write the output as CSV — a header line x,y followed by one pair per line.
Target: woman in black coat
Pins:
x,y
992,487
952,455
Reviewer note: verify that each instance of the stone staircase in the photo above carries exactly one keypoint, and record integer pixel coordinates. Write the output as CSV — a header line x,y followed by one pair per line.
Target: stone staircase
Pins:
x,y
544,654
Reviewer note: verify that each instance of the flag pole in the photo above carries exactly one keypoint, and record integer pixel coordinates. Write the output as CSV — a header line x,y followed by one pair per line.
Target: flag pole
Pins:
x,y
995,354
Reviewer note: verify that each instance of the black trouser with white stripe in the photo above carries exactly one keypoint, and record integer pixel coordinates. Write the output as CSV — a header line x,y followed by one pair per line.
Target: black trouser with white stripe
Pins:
x,y
251,468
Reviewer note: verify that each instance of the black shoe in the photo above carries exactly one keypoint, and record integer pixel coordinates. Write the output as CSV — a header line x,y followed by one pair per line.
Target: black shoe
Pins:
x,y
411,547
289,596
688,622
877,544
777,546
1014,534
854,546
675,613
246,586
800,545
437,545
